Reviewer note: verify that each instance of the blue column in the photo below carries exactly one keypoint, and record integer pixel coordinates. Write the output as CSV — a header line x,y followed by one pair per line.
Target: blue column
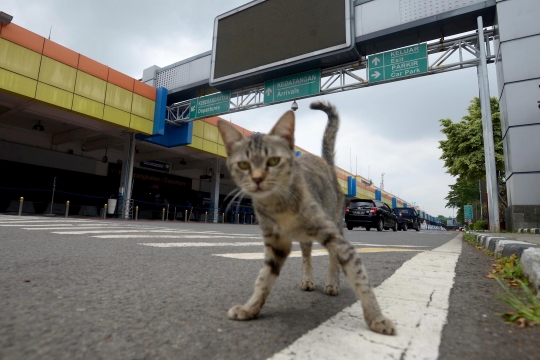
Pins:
x,y
378,195
394,203
351,186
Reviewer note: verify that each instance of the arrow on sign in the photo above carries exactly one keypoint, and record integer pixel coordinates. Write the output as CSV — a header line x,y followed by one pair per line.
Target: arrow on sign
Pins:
x,y
376,74
193,108
376,60
268,92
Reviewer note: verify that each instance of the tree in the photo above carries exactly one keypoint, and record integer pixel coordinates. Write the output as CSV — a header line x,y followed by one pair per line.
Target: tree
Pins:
x,y
463,149
462,193
463,154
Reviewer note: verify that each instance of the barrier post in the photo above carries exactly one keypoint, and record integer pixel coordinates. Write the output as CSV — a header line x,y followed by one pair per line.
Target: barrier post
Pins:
x,y
167,212
21,201
244,218
206,216
185,216
163,214
251,221
136,213
174,217
67,208
223,218
104,211
238,218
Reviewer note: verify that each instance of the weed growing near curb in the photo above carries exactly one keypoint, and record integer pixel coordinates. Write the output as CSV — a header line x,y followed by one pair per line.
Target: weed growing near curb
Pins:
x,y
527,310
508,268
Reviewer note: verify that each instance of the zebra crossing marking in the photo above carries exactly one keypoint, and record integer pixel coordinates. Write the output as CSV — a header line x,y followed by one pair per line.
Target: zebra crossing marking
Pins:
x,y
317,252
130,236
201,244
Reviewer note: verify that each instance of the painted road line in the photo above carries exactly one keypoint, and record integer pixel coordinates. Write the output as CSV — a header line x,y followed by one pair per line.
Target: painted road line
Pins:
x,y
75,226
147,231
15,223
44,220
321,252
416,298
201,244
403,246
129,236
78,228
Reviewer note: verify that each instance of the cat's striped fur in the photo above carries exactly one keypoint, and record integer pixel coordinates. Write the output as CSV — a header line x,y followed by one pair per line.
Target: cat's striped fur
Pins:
x,y
297,198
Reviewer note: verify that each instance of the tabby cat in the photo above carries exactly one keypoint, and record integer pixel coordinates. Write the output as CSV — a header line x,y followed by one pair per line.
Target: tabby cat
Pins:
x,y
297,198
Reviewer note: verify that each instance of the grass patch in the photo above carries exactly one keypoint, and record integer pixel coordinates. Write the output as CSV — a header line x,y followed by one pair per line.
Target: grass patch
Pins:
x,y
527,309
507,271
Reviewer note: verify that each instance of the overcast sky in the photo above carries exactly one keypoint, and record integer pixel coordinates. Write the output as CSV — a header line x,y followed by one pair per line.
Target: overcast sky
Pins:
x,y
390,128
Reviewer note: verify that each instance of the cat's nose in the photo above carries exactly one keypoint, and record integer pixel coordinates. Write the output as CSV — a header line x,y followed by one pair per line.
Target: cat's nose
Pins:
x,y
257,179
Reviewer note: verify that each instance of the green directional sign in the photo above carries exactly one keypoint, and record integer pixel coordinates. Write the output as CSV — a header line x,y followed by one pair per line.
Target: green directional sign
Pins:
x,y
467,210
292,87
210,105
400,63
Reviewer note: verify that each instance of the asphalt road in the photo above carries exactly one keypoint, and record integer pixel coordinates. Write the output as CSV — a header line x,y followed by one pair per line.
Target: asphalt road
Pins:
x,y
95,289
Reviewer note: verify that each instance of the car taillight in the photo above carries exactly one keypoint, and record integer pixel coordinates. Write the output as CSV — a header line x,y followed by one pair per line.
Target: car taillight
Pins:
x,y
373,210
347,209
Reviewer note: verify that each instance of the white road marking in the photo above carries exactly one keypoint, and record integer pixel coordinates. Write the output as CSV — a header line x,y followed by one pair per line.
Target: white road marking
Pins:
x,y
318,252
17,223
201,244
416,298
173,237
74,228
379,245
153,230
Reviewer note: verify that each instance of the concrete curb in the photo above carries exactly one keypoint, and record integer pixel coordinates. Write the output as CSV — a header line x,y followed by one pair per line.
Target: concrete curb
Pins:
x,y
528,253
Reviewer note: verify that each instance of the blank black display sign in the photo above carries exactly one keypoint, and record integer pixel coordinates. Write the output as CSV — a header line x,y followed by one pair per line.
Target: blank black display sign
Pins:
x,y
276,30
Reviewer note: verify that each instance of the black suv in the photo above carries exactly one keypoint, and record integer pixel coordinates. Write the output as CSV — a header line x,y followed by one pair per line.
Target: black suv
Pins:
x,y
407,219
370,213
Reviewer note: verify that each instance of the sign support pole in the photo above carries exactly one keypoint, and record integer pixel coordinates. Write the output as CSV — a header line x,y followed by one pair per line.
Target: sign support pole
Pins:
x,y
487,126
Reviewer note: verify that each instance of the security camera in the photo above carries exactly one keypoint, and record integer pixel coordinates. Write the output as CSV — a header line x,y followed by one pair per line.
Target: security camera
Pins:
x,y
294,106
83,147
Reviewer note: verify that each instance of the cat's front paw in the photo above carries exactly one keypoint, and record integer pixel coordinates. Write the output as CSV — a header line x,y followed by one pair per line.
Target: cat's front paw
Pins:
x,y
307,286
382,325
331,290
239,312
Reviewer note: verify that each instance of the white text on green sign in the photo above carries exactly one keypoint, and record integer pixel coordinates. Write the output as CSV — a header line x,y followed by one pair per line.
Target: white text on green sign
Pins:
x,y
210,105
395,64
292,87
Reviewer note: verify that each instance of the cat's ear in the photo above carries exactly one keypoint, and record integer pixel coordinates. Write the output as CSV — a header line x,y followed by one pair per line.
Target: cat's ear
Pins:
x,y
285,128
229,134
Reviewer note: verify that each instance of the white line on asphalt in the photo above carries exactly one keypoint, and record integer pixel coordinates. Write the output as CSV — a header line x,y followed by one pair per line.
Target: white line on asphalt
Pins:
x,y
15,223
318,252
201,244
216,235
416,298
405,246
74,228
173,236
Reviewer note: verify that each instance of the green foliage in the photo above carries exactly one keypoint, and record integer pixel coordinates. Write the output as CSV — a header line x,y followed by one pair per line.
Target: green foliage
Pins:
x,y
527,309
481,225
463,149
463,192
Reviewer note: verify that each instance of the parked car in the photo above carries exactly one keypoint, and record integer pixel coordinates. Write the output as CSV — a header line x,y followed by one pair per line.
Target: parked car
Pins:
x,y
369,214
407,218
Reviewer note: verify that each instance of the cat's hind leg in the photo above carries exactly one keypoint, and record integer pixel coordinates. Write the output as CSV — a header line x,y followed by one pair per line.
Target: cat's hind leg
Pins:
x,y
332,280
345,254
307,268
275,254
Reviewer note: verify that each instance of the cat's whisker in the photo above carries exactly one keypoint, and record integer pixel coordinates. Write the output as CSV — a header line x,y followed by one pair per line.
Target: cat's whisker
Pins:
x,y
240,192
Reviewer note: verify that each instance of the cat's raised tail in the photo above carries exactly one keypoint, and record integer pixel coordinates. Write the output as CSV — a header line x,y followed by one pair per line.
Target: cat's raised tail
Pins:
x,y
330,133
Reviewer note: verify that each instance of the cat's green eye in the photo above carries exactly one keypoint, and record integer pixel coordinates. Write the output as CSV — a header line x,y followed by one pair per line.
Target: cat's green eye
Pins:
x,y
273,161
244,165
